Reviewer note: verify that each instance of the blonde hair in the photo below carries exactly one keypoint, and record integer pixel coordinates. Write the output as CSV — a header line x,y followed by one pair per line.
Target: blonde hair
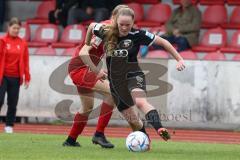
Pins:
x,y
112,31
117,8
114,13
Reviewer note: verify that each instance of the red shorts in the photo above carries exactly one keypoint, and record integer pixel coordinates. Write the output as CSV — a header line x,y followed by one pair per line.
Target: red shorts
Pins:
x,y
84,79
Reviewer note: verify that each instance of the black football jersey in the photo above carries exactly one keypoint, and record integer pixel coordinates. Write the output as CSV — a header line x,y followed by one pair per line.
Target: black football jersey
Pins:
x,y
124,57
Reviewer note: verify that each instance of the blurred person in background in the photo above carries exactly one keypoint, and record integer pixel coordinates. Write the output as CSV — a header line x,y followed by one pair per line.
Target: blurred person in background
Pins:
x,y
88,10
183,27
14,70
60,14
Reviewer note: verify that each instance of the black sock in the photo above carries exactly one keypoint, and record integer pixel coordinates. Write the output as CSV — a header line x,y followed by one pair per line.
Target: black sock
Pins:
x,y
71,140
99,134
153,118
143,130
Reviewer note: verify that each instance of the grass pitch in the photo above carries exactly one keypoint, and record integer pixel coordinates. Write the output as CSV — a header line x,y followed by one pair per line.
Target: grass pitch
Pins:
x,y
49,147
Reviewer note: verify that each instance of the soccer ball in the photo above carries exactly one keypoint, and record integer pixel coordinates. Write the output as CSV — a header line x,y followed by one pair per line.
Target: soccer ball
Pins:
x,y
137,142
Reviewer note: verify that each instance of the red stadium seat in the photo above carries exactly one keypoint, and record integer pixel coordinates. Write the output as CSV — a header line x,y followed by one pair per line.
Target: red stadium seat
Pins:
x,y
47,51
233,2
234,19
179,1
189,55
214,16
69,51
87,22
138,10
42,12
72,35
157,54
25,32
214,56
236,57
234,22
211,2
234,45
158,30
156,16
45,35
212,40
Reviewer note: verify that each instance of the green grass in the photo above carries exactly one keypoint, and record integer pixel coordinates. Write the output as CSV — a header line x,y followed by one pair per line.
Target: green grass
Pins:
x,y
48,147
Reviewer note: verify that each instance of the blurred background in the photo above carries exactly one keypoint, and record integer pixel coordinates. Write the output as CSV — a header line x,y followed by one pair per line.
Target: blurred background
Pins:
x,y
205,96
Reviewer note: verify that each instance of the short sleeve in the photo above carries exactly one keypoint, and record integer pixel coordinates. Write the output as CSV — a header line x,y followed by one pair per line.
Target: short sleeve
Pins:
x,y
98,30
146,38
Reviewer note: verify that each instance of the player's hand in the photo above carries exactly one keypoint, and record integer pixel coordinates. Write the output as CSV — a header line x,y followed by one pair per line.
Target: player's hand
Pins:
x,y
176,32
102,74
26,85
180,65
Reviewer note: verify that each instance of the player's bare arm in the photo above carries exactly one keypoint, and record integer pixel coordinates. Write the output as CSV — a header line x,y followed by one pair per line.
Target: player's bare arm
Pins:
x,y
164,43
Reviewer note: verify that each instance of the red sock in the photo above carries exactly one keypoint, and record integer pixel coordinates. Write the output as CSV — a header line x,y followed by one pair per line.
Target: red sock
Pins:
x,y
79,123
105,115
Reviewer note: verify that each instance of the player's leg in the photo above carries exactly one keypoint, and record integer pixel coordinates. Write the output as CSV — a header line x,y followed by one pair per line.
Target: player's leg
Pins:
x,y
151,114
3,89
12,101
133,119
125,104
102,87
80,119
87,79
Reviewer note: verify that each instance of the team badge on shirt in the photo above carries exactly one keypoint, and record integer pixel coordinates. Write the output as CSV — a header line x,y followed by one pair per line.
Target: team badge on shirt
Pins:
x,y
126,44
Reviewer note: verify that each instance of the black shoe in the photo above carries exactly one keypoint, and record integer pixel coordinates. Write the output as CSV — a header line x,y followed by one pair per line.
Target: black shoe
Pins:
x,y
70,142
164,133
67,144
102,141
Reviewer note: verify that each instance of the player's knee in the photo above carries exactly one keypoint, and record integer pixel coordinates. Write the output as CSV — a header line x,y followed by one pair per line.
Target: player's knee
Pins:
x,y
140,103
109,100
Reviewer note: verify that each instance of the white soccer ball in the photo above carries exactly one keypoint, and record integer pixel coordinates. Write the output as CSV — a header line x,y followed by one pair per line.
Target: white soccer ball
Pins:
x,y
137,142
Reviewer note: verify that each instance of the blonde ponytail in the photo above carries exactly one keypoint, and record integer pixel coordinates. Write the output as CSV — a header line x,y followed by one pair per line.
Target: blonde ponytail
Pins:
x,y
110,43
